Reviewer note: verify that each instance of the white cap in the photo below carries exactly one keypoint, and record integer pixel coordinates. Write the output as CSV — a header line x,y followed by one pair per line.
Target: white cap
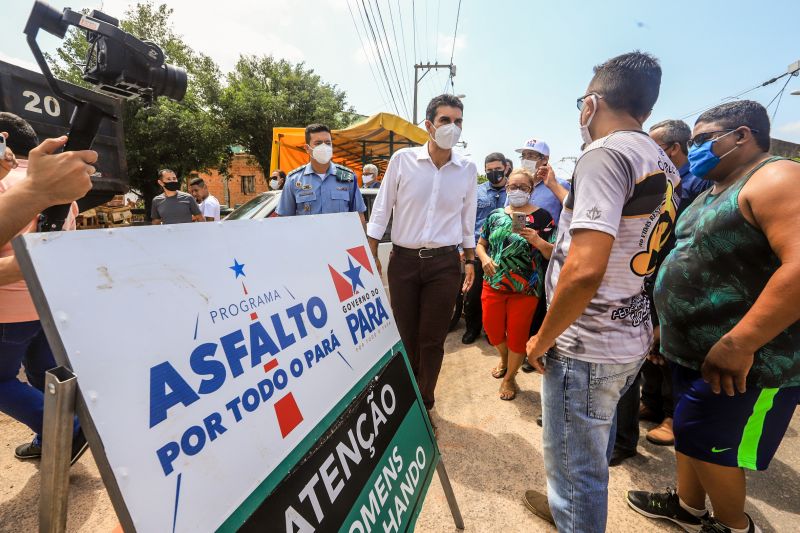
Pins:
x,y
537,145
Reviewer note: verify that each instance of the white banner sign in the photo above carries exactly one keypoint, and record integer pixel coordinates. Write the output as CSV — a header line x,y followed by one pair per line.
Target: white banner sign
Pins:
x,y
207,352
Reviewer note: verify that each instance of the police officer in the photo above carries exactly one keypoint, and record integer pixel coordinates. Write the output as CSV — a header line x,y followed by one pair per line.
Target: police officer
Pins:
x,y
321,186
491,196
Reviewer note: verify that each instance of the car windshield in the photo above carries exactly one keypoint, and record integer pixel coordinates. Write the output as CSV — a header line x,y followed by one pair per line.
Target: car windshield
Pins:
x,y
249,209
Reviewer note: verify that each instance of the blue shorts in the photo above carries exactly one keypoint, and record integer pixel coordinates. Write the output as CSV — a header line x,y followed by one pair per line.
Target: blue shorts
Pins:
x,y
743,430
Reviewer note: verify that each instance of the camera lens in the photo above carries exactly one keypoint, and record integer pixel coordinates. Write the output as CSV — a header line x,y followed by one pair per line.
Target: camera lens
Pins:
x,y
169,81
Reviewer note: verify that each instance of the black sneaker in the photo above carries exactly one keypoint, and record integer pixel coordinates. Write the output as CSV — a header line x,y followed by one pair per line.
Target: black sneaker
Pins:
x,y
712,526
665,505
31,450
527,367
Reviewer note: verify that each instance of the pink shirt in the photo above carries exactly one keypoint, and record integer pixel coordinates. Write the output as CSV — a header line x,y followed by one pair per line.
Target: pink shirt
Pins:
x,y
15,300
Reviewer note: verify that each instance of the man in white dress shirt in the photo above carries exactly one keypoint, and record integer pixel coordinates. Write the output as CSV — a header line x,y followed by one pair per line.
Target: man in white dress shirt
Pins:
x,y
432,191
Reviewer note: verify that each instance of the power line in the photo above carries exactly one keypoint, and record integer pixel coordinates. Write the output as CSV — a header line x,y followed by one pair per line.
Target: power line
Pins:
x,y
436,35
403,72
403,32
779,96
388,48
735,97
386,89
414,26
455,32
381,90
363,12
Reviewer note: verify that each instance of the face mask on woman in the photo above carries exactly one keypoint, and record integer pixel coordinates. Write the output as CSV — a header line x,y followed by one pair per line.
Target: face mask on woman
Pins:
x,y
273,184
518,198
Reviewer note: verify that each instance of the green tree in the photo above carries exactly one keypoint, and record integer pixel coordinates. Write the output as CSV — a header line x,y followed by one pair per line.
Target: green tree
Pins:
x,y
264,92
184,136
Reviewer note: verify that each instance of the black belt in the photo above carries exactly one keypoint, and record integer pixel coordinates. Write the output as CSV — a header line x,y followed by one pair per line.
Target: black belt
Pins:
x,y
423,253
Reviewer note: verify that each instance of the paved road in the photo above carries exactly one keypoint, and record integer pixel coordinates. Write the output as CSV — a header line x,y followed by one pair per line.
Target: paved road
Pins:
x,y
492,450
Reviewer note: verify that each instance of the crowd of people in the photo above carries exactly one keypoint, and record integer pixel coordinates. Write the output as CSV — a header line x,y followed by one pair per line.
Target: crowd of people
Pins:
x,y
658,283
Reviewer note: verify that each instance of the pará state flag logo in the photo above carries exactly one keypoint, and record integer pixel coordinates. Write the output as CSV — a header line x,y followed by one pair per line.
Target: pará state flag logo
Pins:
x,y
348,282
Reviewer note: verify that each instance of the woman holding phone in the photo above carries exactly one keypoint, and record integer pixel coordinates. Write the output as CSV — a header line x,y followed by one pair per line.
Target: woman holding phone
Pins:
x,y
513,248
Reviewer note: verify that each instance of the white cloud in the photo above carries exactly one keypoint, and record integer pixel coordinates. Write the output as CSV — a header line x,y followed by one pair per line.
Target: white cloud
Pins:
x,y
790,128
24,63
445,45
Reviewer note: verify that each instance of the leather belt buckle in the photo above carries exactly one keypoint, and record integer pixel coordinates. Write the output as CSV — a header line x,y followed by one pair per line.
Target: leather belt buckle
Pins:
x,y
422,254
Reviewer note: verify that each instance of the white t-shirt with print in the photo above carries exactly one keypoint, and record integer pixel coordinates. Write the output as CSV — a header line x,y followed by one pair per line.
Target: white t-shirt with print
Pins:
x,y
626,186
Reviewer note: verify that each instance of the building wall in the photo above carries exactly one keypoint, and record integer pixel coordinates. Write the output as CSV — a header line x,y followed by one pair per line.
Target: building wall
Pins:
x,y
242,165
784,148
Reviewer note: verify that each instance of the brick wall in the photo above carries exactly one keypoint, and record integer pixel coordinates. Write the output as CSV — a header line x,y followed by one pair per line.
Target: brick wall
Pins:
x,y
242,165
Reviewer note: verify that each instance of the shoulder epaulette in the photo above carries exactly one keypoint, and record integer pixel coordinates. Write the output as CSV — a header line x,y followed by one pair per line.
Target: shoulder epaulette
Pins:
x,y
295,171
344,174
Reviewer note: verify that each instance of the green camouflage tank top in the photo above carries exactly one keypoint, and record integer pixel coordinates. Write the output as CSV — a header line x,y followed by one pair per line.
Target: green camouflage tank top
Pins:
x,y
712,277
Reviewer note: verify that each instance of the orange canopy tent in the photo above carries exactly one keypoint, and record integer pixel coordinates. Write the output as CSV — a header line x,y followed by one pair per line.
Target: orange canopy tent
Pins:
x,y
373,140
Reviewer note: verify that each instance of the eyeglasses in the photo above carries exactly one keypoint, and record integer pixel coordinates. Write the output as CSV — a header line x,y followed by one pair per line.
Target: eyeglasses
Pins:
x,y
702,138
531,157
580,101
523,188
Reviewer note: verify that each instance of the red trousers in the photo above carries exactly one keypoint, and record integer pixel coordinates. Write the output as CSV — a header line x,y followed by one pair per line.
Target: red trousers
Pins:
x,y
507,317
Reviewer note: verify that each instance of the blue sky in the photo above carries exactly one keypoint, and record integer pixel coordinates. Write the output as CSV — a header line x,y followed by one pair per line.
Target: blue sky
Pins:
x,y
520,64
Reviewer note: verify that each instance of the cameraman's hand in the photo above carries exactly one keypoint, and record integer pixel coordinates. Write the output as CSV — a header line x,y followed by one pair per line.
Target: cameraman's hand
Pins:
x,y
60,178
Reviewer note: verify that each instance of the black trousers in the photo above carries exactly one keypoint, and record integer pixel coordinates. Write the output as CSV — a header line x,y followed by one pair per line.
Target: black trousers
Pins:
x,y
473,314
627,437
657,388
424,292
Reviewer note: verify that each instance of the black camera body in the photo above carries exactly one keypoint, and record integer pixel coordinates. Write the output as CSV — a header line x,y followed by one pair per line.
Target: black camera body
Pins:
x,y
118,64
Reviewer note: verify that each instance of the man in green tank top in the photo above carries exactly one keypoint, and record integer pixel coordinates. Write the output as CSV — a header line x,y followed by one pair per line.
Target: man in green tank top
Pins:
x,y
727,298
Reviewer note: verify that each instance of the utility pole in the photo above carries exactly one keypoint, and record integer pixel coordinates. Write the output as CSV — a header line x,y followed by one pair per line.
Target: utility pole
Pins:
x,y
417,78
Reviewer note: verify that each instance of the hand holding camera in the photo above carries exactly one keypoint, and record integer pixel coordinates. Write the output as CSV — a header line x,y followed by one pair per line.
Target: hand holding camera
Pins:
x,y
60,178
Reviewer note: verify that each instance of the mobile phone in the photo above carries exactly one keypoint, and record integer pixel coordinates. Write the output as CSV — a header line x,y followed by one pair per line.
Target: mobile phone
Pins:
x,y
2,147
518,221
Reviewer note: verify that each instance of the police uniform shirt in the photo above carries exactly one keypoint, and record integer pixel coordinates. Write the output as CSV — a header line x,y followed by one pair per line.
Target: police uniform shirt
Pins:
x,y
306,193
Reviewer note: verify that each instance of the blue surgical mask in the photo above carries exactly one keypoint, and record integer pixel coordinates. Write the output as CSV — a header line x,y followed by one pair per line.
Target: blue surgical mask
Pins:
x,y
702,159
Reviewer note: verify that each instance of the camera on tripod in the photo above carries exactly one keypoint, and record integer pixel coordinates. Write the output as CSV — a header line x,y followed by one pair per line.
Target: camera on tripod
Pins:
x,y
118,64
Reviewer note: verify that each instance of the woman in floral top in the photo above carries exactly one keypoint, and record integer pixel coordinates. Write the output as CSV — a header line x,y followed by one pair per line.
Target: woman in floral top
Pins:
x,y
514,267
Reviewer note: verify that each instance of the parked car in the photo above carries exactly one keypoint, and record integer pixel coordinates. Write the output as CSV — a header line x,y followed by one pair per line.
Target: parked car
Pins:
x,y
265,204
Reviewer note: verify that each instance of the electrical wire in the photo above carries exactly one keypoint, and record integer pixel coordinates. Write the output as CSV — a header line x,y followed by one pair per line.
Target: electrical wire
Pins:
x,y
779,96
414,26
381,90
373,57
403,72
399,77
403,32
363,12
734,97
388,49
455,32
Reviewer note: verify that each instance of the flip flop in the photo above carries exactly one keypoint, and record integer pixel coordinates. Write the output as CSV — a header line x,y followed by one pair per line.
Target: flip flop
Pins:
x,y
499,373
512,390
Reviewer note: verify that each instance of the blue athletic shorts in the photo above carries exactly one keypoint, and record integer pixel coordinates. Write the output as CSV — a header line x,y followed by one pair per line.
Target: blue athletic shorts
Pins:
x,y
743,430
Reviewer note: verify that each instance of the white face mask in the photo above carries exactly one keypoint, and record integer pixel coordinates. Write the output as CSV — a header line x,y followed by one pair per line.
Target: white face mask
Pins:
x,y
585,135
447,136
529,165
322,153
518,198
273,184
366,178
